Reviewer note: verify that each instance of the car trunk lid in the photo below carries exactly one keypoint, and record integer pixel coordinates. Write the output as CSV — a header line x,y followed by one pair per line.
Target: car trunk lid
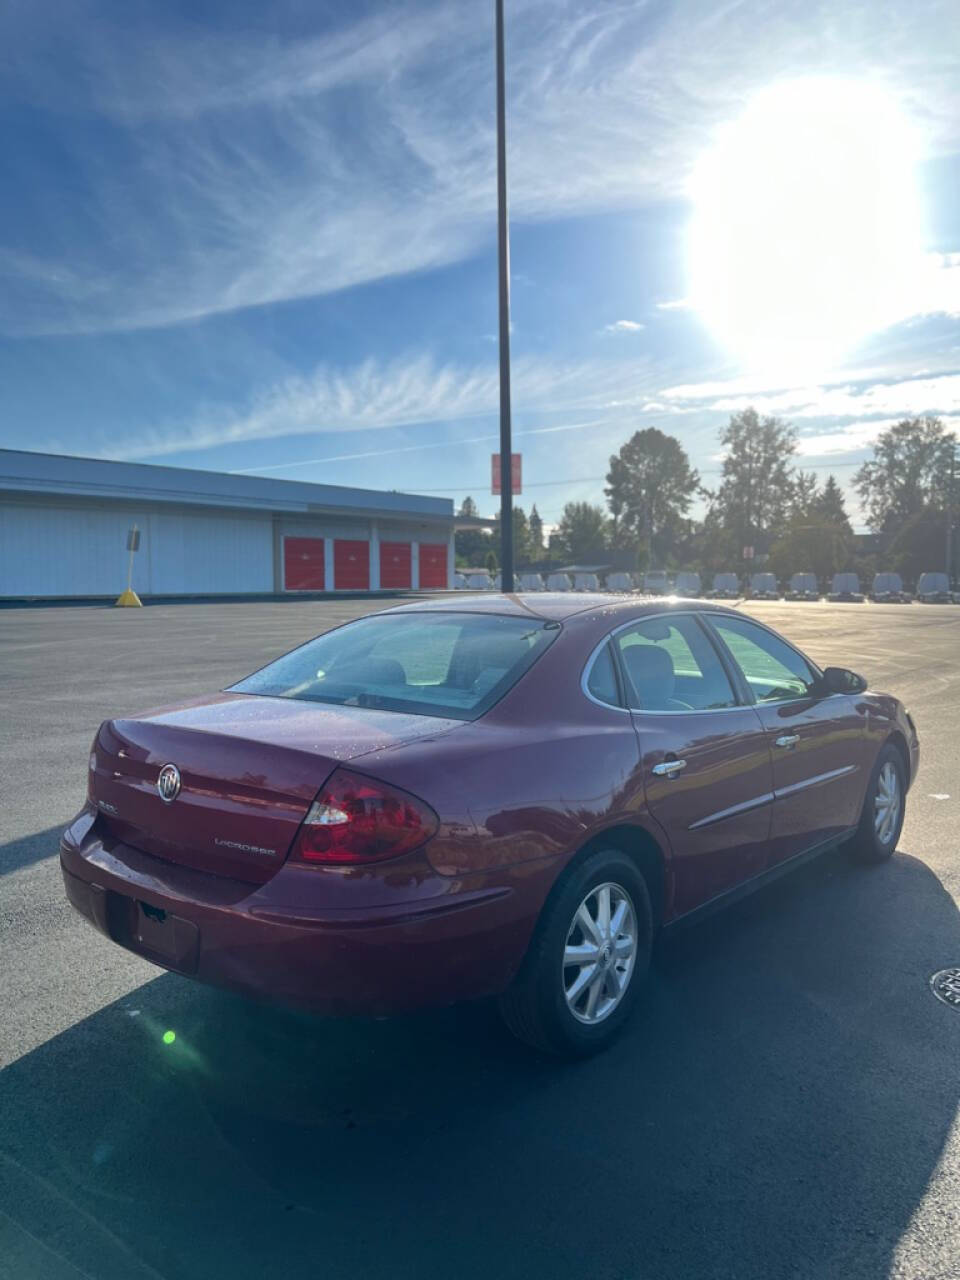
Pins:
x,y
248,770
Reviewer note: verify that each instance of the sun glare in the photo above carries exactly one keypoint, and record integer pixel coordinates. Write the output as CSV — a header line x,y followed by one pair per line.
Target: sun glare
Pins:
x,y
806,234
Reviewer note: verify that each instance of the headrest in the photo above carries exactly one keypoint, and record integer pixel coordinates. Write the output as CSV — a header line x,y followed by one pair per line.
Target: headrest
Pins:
x,y
650,668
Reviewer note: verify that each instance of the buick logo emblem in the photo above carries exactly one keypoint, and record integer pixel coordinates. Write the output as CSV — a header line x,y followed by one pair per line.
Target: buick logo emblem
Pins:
x,y
168,783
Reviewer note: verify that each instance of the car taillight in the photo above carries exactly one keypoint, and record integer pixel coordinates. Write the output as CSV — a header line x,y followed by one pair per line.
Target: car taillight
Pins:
x,y
357,819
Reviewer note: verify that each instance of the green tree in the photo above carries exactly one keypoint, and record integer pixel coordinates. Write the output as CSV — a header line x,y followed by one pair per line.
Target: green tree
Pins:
x,y
535,525
812,545
650,486
714,548
831,507
806,495
757,491
818,538
471,545
581,531
909,471
919,545
521,537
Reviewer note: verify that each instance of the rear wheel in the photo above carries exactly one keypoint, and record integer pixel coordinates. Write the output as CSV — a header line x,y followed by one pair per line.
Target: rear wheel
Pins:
x,y
883,810
587,961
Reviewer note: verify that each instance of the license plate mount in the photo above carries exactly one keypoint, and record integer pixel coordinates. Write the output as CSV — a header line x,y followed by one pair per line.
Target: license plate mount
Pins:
x,y
155,933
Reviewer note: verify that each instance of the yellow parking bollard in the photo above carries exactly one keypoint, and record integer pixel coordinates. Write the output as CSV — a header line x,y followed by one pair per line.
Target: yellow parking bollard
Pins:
x,y
129,599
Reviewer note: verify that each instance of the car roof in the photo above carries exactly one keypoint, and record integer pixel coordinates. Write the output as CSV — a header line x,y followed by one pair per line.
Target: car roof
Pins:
x,y
555,605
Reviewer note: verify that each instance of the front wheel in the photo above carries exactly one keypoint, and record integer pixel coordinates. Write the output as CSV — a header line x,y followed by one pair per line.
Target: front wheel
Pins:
x,y
883,810
587,960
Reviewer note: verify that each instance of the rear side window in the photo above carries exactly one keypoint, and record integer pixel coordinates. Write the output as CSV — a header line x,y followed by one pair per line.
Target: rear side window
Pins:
x,y
443,664
774,671
602,681
669,664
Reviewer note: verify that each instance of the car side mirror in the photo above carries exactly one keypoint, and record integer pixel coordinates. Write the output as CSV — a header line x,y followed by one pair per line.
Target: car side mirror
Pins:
x,y
840,680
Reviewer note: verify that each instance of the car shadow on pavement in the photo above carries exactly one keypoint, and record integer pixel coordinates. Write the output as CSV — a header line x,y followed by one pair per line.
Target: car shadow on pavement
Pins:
x,y
777,1109
27,850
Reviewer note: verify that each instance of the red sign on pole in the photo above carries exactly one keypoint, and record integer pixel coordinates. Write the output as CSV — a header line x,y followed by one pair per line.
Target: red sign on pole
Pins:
x,y
516,473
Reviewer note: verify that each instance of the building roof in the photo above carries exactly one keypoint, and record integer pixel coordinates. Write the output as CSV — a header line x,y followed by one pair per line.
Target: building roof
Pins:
x,y
61,475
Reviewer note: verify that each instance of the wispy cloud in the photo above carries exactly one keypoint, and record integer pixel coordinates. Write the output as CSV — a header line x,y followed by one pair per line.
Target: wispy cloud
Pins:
x,y
427,446
371,395
414,391
907,396
623,326
279,169
852,438
675,304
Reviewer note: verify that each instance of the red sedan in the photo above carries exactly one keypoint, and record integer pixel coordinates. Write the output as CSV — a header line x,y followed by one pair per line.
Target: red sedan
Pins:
x,y
482,797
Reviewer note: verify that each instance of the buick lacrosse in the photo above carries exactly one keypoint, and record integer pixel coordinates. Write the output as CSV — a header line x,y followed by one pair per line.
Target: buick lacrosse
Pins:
x,y
488,796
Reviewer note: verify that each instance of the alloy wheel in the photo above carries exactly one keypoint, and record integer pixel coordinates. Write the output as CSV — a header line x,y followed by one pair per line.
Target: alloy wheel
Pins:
x,y
886,803
599,953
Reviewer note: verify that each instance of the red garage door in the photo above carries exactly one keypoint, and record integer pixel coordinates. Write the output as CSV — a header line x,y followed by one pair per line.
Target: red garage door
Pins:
x,y
433,564
395,564
303,564
351,565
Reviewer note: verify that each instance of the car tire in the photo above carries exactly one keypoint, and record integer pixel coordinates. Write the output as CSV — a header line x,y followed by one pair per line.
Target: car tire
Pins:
x,y
879,829
543,1007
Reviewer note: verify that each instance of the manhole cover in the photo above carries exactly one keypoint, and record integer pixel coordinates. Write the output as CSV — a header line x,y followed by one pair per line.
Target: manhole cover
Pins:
x,y
945,985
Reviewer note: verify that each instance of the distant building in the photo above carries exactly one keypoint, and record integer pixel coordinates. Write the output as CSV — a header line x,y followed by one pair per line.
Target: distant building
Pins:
x,y
64,523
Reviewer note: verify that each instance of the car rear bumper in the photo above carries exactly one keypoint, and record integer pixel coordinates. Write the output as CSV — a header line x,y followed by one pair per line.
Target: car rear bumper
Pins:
x,y
448,940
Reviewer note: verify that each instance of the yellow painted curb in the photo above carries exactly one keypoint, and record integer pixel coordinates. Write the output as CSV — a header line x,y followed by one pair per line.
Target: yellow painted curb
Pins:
x,y
129,600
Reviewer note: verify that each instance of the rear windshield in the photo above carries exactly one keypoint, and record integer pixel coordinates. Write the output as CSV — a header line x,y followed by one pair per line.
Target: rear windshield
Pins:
x,y
439,664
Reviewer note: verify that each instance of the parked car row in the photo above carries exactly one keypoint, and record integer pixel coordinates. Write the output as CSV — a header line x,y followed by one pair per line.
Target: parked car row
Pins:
x,y
887,588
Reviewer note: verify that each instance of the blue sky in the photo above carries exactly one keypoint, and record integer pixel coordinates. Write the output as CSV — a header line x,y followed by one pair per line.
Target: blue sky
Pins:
x,y
262,238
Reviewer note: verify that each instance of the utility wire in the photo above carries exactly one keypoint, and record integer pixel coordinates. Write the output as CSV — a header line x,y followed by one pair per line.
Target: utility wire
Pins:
x,y
548,484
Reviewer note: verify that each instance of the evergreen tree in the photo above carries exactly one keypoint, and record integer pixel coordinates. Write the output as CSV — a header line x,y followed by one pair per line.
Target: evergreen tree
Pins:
x,y
535,526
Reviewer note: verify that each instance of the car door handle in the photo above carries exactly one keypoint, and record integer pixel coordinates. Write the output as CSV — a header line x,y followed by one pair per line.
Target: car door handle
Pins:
x,y
668,768
788,740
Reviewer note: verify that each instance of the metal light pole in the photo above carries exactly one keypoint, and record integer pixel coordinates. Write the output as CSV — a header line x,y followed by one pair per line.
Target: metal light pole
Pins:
x,y
950,484
503,253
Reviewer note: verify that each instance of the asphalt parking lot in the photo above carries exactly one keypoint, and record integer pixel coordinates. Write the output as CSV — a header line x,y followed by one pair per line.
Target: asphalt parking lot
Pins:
x,y
785,1106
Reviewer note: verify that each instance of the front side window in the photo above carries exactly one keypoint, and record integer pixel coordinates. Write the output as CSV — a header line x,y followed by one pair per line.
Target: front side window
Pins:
x,y
772,669
669,664
443,664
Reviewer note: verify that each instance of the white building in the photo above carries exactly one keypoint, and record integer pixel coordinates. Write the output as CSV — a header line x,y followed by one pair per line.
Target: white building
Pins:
x,y
64,524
